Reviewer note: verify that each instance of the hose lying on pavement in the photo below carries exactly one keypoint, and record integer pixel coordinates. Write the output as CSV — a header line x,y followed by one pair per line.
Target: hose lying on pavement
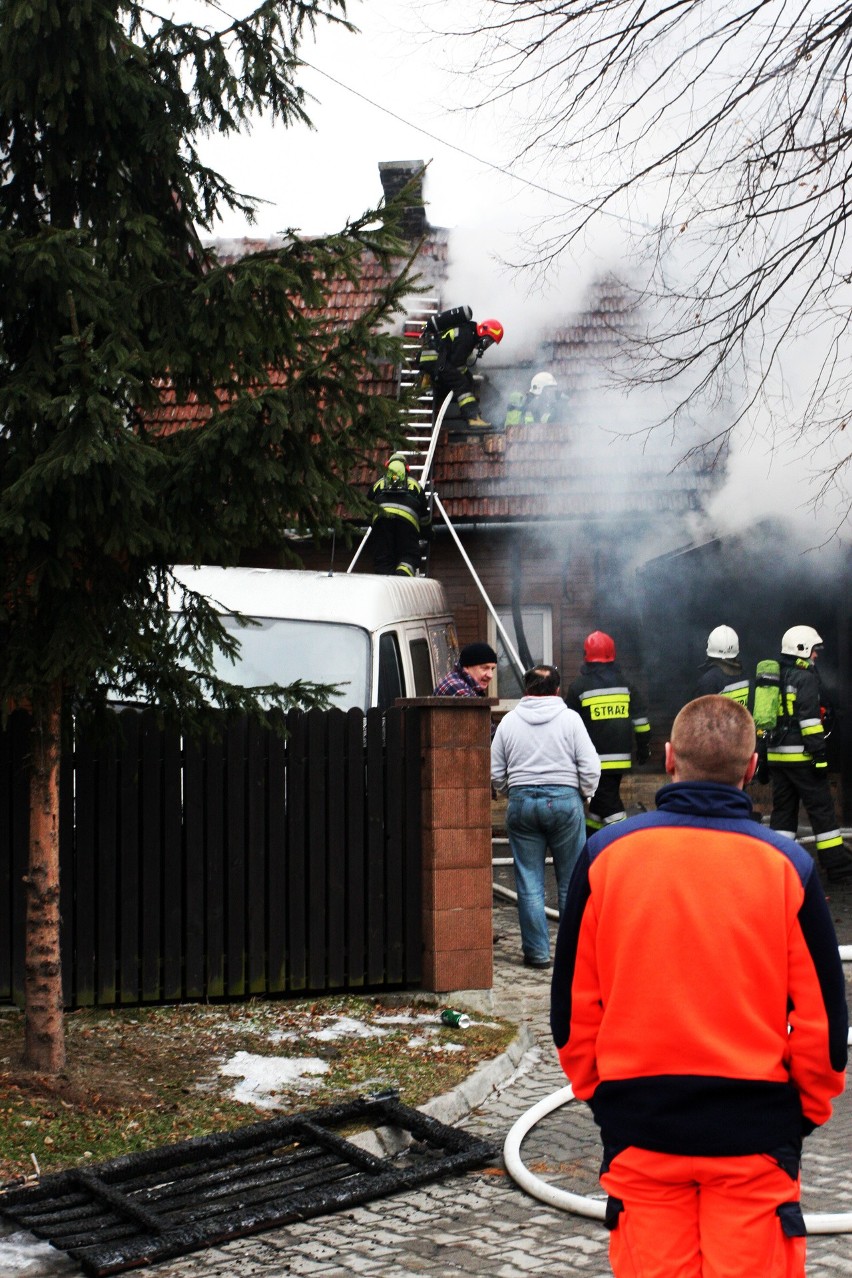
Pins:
x,y
838,1222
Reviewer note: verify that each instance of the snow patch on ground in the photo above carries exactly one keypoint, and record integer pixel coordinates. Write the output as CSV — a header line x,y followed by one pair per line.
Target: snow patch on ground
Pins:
x,y
263,1076
23,1253
422,1018
347,1027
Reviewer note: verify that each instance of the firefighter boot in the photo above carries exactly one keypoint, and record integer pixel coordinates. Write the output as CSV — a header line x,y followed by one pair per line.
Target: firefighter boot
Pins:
x,y
478,423
840,865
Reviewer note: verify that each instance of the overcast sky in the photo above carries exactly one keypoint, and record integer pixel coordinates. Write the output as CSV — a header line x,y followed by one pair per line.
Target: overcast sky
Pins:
x,y
392,67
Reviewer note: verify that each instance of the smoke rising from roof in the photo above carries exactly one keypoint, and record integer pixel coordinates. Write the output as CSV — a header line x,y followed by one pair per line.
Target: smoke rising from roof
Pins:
x,y
762,472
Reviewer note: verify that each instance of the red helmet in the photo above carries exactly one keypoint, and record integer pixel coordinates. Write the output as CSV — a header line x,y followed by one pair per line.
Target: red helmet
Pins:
x,y
599,647
490,328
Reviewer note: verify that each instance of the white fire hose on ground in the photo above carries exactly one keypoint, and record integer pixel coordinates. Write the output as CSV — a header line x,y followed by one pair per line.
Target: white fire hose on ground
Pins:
x,y
594,1208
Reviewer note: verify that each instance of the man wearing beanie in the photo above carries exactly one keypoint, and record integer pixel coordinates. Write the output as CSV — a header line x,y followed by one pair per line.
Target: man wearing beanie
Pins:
x,y
471,674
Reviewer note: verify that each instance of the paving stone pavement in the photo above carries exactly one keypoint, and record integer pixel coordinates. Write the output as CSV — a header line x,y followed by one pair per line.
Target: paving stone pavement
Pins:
x,y
482,1223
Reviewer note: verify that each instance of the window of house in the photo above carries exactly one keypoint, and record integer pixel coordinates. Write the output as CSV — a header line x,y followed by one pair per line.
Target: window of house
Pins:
x,y
538,628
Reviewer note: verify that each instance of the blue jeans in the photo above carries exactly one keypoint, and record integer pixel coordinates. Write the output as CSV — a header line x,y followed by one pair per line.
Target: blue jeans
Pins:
x,y
540,817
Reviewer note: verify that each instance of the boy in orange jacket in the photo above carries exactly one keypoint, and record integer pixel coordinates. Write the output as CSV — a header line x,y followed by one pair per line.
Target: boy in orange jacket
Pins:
x,y
699,1006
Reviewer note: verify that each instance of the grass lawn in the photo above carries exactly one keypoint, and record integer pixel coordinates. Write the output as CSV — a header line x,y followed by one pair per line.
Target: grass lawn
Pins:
x,y
142,1077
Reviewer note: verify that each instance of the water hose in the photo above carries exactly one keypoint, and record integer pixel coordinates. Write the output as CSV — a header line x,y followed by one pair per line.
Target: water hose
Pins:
x,y
838,1222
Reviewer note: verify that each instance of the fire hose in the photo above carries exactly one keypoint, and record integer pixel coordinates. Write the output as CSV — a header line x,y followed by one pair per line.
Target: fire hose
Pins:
x,y
594,1208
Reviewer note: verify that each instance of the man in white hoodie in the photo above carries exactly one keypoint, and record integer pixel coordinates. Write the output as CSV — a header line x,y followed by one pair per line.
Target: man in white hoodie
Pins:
x,y
543,755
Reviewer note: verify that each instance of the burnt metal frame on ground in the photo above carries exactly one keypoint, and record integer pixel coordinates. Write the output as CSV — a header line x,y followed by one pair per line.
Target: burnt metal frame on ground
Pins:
x,y
152,1206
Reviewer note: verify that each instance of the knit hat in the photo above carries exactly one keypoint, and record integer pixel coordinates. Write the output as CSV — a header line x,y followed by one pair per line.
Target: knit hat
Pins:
x,y
477,654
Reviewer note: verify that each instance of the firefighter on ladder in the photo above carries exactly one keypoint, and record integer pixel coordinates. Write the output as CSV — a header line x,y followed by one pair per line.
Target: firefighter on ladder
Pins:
x,y
614,715
453,342
402,518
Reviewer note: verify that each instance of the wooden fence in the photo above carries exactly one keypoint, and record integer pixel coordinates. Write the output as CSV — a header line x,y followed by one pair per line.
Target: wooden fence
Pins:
x,y
251,864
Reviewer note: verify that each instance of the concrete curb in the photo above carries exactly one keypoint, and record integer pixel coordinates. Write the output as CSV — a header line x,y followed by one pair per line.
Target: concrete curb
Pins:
x,y
451,1107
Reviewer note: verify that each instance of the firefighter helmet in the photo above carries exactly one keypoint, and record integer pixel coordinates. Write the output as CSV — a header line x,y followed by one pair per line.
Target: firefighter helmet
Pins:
x,y
397,466
723,642
490,328
541,382
599,647
800,641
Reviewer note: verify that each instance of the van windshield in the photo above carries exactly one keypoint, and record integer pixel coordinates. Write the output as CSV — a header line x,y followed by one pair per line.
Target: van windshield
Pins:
x,y
282,650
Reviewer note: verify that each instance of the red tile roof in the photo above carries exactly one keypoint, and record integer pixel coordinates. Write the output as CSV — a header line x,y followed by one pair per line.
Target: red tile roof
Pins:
x,y
567,470
348,300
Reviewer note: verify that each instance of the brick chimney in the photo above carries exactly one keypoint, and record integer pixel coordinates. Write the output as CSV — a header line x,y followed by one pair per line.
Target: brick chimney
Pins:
x,y
395,174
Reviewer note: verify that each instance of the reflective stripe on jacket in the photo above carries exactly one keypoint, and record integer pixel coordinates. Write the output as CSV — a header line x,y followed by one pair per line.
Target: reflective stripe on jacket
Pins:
x,y
723,679
801,738
612,711
399,501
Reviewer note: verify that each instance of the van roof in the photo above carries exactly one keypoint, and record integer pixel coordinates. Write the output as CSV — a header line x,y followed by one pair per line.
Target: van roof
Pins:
x,y
360,599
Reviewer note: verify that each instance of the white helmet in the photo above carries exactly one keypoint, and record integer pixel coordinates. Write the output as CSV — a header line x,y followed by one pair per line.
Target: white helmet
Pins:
x,y
799,641
723,642
542,381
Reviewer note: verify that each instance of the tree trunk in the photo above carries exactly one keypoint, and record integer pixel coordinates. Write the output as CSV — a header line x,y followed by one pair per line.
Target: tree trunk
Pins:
x,y
44,1034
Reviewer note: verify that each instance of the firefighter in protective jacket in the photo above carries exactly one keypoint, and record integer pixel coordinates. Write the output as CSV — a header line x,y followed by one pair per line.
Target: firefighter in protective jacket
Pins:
x,y
798,767
722,672
453,342
614,715
401,519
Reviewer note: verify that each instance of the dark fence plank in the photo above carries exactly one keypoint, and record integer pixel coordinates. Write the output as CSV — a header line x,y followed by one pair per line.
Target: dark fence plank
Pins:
x,y
6,865
413,883
173,870
20,852
296,848
316,906
106,826
194,878
66,865
257,788
276,896
235,890
335,808
129,851
356,852
375,848
152,858
214,794
394,835
14,854
85,872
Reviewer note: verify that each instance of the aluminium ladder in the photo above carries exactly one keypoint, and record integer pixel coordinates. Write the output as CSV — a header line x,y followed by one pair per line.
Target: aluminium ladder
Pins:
x,y
418,416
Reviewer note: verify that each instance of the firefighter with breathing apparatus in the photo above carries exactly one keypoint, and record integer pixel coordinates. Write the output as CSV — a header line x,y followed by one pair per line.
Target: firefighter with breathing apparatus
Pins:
x,y
722,672
796,752
401,519
452,344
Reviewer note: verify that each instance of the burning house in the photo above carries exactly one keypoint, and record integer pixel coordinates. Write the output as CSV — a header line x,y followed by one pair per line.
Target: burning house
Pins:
x,y
586,517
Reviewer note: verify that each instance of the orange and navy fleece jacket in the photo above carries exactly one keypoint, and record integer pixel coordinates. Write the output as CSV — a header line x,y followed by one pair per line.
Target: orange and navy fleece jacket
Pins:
x,y
698,999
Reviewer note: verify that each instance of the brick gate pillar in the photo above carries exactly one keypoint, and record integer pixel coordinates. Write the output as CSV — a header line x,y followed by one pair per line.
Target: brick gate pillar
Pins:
x,y
455,772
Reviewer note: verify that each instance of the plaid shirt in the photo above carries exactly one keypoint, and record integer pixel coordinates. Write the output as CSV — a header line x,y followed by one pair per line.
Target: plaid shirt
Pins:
x,y
458,683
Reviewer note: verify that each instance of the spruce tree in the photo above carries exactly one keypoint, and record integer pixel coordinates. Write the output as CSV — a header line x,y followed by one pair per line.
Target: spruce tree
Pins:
x,y
109,299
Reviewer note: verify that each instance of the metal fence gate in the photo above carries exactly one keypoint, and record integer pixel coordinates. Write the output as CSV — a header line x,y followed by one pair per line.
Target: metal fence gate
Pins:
x,y
250,864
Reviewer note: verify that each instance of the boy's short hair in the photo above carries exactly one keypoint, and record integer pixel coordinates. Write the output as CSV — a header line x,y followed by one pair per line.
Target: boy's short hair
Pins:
x,y
713,739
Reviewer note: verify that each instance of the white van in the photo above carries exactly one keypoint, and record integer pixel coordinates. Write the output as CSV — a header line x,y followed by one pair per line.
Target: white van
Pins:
x,y
378,637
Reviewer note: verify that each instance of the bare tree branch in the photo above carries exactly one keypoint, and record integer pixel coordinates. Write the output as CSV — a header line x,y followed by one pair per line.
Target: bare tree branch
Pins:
x,y
718,134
